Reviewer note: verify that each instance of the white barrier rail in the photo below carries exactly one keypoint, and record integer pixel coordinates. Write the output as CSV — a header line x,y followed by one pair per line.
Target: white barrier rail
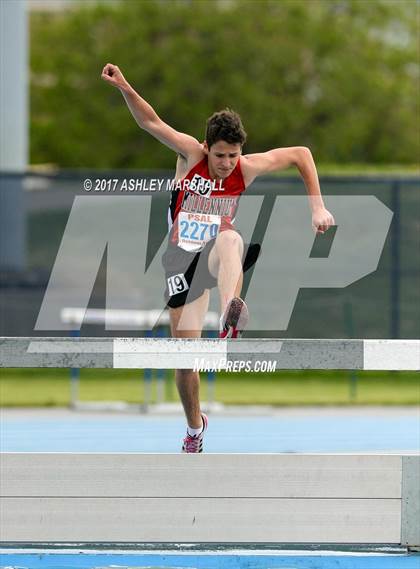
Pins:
x,y
175,353
75,317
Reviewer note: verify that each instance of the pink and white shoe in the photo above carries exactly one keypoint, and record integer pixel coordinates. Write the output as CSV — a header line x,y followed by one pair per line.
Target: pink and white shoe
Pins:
x,y
235,319
195,444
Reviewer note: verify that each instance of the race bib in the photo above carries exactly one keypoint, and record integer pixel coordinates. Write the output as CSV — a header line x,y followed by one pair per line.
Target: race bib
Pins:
x,y
196,229
177,284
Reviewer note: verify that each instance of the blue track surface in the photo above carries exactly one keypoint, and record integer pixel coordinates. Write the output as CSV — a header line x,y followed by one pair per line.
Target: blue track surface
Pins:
x,y
212,561
116,433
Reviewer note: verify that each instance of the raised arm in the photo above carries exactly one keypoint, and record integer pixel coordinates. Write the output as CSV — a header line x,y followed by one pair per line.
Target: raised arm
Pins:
x,y
147,118
254,165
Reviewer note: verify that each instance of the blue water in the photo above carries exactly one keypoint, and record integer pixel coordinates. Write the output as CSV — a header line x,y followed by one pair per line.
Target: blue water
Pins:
x,y
209,561
116,433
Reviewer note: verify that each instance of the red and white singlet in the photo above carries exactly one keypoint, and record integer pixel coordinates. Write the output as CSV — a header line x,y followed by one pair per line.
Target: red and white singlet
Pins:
x,y
201,207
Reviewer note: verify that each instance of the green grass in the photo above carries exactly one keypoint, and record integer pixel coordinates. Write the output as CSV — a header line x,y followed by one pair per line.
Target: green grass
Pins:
x,y
321,388
51,387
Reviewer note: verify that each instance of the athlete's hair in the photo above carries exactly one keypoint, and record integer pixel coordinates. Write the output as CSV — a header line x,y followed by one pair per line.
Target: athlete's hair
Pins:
x,y
225,125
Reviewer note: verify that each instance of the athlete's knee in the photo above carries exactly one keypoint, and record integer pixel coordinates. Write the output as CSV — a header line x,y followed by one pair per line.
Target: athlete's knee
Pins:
x,y
230,239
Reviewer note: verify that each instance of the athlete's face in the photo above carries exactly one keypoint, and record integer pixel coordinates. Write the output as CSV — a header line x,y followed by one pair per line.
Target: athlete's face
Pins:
x,y
222,158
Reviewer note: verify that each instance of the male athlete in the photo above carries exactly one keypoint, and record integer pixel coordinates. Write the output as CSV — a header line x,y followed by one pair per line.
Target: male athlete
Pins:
x,y
204,249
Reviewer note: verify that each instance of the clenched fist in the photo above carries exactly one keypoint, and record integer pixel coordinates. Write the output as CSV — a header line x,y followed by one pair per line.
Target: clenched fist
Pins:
x,y
322,220
112,75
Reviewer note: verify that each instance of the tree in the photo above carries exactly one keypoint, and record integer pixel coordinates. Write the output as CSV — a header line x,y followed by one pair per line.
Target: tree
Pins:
x,y
340,76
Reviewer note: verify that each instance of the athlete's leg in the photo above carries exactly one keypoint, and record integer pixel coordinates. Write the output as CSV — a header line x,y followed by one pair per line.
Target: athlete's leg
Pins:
x,y
225,263
187,380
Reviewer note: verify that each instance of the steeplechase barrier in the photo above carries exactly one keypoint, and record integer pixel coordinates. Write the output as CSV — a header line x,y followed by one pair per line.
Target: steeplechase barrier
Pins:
x,y
266,498
176,353
155,323
238,498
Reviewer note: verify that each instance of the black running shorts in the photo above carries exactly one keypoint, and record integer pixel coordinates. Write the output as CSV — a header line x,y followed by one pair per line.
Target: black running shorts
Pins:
x,y
187,274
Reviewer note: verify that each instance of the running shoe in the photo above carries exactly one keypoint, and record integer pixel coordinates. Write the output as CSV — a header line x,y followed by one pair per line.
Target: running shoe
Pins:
x,y
234,320
195,444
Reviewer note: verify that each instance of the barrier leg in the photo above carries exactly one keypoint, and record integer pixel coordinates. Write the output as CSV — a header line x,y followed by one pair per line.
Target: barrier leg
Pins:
x,y
160,373
147,382
349,324
74,378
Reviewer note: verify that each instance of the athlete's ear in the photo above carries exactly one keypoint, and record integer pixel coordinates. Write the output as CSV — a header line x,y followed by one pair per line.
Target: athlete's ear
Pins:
x,y
205,147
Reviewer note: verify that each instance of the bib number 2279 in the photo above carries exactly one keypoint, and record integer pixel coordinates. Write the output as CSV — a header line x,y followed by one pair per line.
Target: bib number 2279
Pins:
x,y
198,231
